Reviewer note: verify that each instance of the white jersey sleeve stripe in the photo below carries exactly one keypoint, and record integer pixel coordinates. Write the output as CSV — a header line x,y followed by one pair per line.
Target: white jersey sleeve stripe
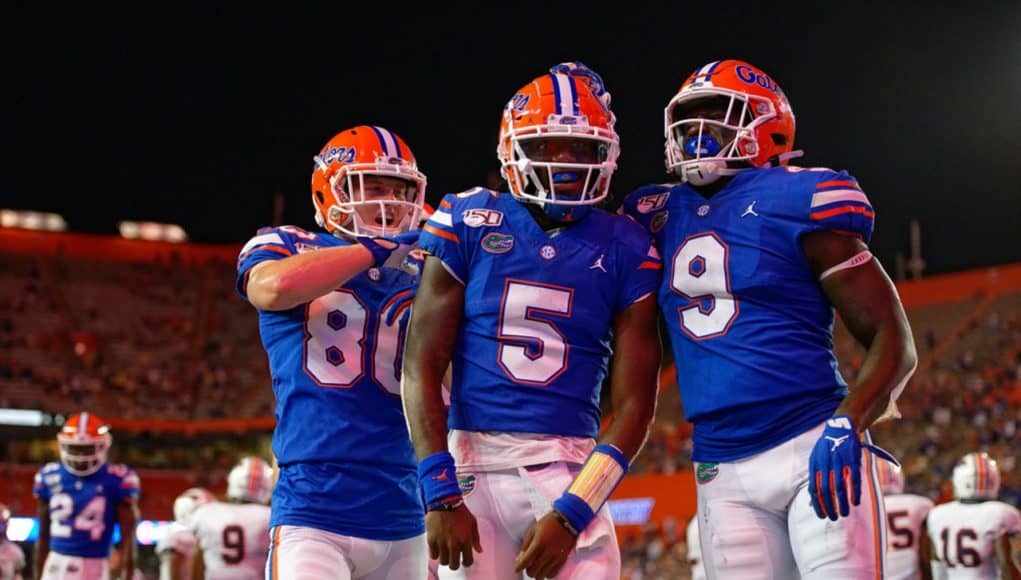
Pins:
x,y
828,197
442,218
270,238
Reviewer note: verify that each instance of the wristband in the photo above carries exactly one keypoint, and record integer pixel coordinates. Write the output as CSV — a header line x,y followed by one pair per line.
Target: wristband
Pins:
x,y
438,478
603,470
447,504
565,522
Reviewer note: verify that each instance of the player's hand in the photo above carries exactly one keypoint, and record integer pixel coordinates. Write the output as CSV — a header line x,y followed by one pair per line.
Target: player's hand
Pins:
x,y
451,536
834,469
390,250
547,546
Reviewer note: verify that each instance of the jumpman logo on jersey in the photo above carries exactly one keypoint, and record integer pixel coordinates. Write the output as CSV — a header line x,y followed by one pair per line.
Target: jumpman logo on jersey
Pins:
x,y
442,476
598,263
837,441
750,210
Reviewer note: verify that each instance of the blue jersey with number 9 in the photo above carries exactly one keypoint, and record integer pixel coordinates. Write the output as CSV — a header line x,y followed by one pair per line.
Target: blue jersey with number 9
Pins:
x,y
83,509
750,326
341,440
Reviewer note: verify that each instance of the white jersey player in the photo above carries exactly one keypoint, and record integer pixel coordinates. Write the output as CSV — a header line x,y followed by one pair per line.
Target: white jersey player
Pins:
x,y
905,515
970,536
177,548
175,551
12,558
695,550
233,536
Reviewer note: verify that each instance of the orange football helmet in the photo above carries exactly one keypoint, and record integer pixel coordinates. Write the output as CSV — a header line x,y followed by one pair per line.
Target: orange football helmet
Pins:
x,y
755,128
84,441
338,182
557,105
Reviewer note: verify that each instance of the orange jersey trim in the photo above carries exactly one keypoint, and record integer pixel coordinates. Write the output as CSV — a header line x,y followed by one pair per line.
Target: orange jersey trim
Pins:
x,y
837,183
438,232
821,215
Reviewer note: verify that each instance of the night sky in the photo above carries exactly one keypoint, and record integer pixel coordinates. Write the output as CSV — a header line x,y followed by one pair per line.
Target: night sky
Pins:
x,y
197,115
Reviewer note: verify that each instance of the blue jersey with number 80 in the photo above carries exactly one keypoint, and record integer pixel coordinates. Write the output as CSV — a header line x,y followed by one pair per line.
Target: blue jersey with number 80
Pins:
x,y
341,440
534,343
750,327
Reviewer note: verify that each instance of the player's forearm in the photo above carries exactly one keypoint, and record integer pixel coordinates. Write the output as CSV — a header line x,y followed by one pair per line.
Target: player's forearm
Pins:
x,y
127,517
426,413
635,379
432,335
629,427
427,355
635,386
299,279
888,364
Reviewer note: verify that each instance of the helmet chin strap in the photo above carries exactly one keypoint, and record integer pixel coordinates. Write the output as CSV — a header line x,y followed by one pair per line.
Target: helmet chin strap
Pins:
x,y
704,172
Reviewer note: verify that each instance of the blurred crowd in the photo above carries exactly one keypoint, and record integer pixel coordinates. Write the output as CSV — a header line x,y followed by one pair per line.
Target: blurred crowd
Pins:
x,y
155,341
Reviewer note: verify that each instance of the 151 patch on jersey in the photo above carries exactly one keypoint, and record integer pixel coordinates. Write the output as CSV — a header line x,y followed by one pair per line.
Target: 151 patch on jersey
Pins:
x,y
478,217
651,203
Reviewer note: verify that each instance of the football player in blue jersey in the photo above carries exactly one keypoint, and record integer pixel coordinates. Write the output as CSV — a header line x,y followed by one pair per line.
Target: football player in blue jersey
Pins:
x,y
346,503
758,255
528,295
80,500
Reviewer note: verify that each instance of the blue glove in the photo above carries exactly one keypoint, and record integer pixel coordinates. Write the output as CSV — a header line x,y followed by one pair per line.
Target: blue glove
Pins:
x,y
392,248
834,469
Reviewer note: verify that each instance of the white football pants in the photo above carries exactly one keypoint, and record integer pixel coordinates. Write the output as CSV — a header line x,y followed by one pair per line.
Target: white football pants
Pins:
x,y
310,554
506,502
756,520
64,567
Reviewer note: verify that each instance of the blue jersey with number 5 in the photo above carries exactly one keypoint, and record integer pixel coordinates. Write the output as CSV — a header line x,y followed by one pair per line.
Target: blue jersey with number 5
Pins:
x,y
341,440
83,510
750,327
534,344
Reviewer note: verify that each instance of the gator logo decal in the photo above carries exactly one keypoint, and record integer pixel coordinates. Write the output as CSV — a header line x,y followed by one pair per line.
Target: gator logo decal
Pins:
x,y
706,472
658,221
495,243
466,483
